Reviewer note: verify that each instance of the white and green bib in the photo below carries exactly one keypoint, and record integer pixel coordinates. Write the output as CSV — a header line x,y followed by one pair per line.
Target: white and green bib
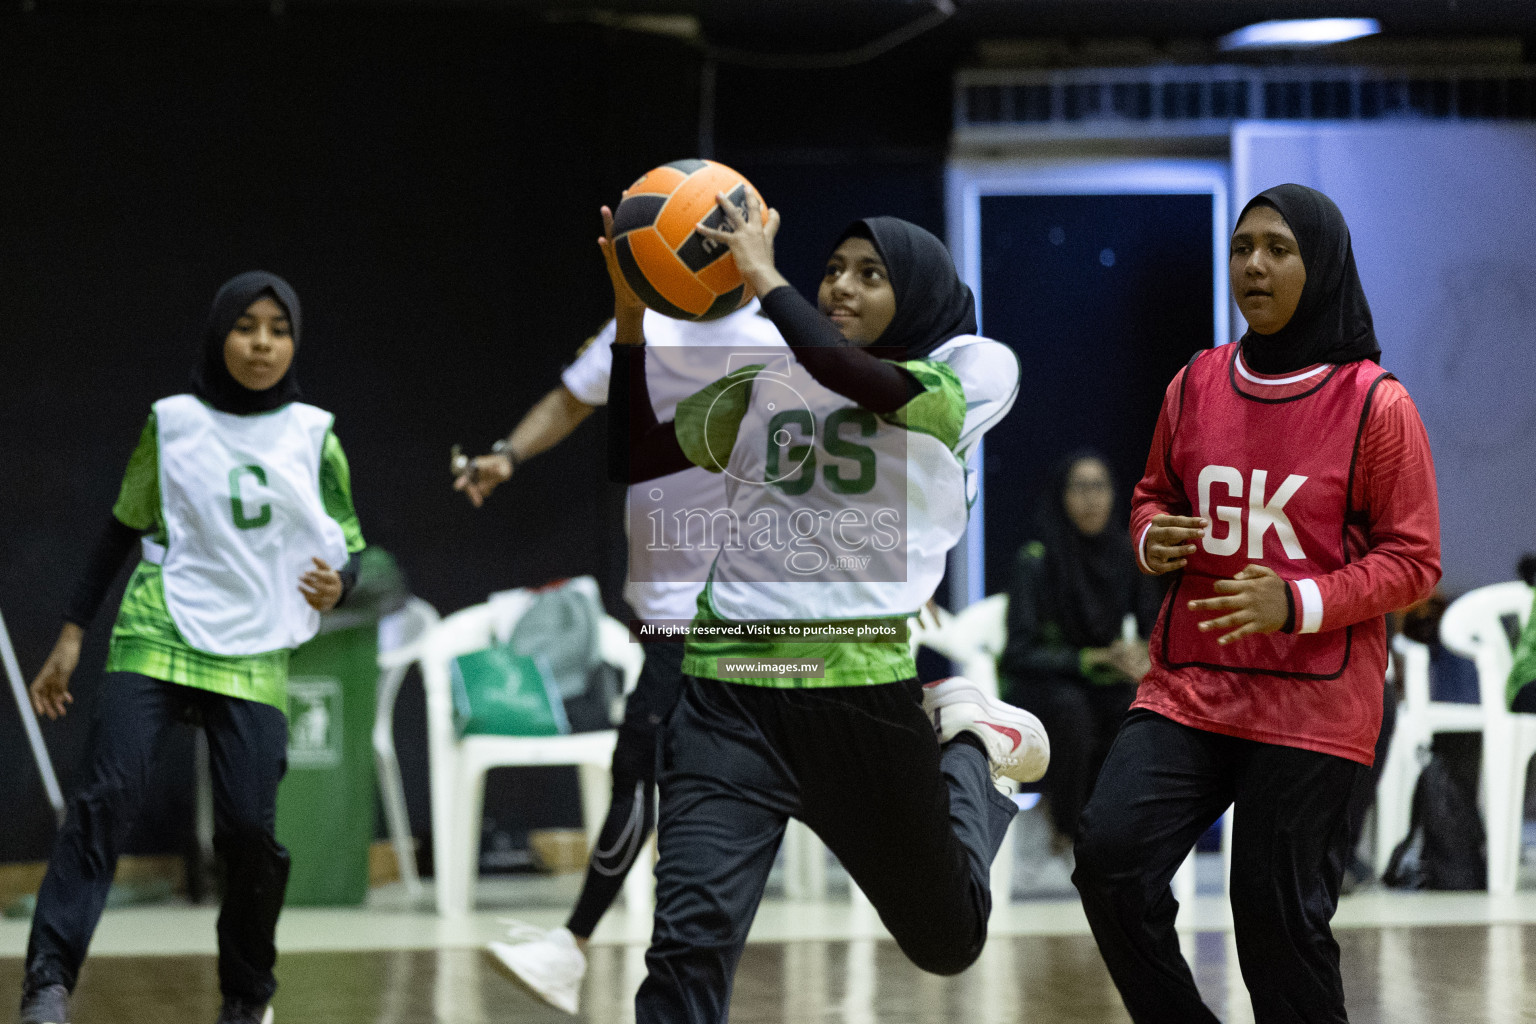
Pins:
x,y
835,512
243,514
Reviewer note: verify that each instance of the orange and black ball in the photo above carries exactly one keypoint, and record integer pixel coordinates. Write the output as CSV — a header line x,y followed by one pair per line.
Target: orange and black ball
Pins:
x,y
671,267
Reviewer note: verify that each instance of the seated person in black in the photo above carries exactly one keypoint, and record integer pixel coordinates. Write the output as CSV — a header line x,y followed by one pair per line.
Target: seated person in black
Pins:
x,y
1065,661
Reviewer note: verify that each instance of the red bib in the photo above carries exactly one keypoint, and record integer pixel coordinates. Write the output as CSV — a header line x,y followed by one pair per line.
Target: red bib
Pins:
x,y
1274,478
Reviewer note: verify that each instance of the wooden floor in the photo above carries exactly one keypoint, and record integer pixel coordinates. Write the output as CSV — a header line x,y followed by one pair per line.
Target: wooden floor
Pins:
x,y
1425,975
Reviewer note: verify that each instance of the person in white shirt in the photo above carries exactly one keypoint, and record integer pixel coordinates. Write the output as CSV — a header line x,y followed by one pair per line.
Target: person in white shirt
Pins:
x,y
669,558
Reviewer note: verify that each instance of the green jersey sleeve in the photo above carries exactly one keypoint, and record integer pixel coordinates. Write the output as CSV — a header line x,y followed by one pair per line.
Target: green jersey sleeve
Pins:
x,y
940,410
336,492
138,500
708,421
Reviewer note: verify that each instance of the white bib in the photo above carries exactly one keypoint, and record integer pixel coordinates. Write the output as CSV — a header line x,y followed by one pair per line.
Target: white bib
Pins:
x,y
899,505
864,520
240,496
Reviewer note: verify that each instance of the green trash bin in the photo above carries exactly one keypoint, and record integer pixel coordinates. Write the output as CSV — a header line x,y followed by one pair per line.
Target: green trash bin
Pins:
x,y
325,806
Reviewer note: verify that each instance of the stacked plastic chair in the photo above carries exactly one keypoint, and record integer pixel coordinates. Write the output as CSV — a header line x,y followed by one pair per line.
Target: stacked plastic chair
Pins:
x,y
1477,626
400,641
1418,719
459,764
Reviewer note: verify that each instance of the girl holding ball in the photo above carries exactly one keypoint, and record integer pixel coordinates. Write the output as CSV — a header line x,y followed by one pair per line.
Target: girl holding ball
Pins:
x,y
896,778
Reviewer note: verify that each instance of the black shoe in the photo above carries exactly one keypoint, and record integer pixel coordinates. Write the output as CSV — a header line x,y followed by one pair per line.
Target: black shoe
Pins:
x,y
236,1012
1358,875
48,1005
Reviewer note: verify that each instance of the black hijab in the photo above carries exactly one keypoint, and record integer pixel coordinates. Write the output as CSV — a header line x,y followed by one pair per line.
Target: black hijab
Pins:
x,y
1089,580
932,303
212,381
1332,322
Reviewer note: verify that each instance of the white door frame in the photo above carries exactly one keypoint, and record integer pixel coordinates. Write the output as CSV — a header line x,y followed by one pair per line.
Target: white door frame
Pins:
x,y
967,181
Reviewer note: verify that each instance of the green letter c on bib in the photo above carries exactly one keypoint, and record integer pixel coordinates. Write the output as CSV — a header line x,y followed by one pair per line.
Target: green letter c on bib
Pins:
x,y
236,506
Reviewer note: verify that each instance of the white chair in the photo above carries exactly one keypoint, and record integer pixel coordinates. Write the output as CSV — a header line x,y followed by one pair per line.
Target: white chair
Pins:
x,y
459,765
1473,627
400,637
1418,719
805,863
973,638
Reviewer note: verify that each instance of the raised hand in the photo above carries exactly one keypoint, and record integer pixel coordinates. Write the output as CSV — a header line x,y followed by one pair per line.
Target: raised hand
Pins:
x,y
625,301
750,240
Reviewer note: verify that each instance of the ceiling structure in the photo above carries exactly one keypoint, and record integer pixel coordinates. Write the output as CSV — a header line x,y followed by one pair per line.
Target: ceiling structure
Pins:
x,y
1050,31
774,33
812,24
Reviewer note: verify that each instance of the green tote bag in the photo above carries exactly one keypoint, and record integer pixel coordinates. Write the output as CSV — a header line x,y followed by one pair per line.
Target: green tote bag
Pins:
x,y
498,692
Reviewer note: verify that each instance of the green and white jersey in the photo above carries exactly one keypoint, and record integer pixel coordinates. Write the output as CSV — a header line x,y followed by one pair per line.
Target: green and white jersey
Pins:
x,y
233,508
835,512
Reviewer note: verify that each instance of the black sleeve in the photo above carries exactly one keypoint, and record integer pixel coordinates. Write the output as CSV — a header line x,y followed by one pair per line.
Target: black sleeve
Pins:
x,y
113,546
852,372
1026,655
348,574
639,448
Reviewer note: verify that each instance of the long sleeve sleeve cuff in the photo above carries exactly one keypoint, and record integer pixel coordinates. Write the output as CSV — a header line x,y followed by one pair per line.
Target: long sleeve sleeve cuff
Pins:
x,y
1141,550
1306,606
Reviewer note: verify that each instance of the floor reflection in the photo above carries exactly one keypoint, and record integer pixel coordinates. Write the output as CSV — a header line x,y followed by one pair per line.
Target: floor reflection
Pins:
x,y
1392,975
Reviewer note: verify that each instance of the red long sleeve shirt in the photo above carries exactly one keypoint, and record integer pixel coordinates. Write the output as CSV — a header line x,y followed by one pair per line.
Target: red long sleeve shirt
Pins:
x,y
1394,548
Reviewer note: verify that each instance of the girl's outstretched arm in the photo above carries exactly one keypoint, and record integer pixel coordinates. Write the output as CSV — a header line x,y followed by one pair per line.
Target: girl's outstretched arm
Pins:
x,y
639,448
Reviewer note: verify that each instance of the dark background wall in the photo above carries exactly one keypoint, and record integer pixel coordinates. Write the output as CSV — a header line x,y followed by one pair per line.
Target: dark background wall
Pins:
x,y
429,183
1116,298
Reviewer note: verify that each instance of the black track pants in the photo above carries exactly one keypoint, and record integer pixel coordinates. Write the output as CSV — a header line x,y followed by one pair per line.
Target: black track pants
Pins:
x,y
916,827
632,810
1163,785
248,748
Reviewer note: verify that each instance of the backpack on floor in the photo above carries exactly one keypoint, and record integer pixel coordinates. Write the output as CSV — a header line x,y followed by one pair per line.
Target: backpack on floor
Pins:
x,y
1446,843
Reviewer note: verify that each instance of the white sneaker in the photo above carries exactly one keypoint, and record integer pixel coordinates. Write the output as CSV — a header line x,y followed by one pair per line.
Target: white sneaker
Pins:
x,y
1016,744
548,962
